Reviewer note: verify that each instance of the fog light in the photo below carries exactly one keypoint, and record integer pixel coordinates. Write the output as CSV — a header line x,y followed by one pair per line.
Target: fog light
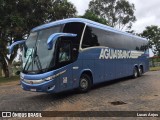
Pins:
x,y
50,88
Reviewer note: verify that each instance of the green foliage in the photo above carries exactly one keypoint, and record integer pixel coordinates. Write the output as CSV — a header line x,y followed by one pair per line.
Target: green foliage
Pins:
x,y
91,16
132,32
18,17
7,80
152,33
118,13
154,68
61,9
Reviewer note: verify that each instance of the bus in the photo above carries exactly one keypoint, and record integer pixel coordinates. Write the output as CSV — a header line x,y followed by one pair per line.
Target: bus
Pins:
x,y
76,53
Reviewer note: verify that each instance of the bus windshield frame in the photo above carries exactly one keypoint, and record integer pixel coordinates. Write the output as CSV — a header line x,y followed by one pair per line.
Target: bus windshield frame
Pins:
x,y
36,56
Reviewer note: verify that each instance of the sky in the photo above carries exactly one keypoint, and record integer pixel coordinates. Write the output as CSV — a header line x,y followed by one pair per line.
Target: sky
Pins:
x,y
147,12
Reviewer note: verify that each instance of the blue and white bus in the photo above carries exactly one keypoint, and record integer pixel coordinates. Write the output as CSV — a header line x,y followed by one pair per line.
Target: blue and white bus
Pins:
x,y
78,53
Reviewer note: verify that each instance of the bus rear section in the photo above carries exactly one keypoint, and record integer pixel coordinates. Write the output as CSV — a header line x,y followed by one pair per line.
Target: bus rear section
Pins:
x,y
110,54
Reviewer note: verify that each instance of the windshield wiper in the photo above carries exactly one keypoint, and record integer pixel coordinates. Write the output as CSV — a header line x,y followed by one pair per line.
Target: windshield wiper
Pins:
x,y
27,62
36,60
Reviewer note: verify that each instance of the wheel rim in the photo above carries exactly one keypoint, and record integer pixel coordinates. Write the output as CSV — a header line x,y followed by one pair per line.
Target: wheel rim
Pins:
x,y
140,71
84,84
135,73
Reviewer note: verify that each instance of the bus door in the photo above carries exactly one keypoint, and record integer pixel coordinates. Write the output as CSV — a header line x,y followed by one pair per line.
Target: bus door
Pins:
x,y
64,59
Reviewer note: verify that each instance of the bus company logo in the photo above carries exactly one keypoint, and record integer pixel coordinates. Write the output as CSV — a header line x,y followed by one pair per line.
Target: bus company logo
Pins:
x,y
108,53
6,114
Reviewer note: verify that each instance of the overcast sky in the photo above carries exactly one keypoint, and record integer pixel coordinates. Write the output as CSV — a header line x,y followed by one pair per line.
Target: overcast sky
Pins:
x,y
147,12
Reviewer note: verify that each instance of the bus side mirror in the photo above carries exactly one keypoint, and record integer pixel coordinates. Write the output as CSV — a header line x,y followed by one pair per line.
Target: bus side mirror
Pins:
x,y
54,36
14,44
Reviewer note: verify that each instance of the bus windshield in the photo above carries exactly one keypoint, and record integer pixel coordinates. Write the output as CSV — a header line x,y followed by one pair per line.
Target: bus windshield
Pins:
x,y
36,56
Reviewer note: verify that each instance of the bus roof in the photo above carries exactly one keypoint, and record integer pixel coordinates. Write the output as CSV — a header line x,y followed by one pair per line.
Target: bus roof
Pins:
x,y
85,21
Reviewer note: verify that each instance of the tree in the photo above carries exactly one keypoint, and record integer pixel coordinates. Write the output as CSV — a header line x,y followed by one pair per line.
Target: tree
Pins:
x,y
18,17
152,33
119,13
91,16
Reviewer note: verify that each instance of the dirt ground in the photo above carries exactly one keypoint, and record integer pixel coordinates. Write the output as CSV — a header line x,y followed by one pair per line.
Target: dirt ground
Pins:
x,y
141,94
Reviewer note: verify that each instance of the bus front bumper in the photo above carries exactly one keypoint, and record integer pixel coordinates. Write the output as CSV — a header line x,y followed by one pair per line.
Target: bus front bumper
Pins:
x,y
46,86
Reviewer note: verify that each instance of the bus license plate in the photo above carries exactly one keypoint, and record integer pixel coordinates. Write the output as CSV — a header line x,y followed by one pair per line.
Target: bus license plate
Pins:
x,y
33,90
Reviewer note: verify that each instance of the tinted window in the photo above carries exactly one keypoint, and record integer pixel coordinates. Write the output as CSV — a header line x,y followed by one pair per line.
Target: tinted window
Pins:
x,y
64,54
98,37
90,38
76,28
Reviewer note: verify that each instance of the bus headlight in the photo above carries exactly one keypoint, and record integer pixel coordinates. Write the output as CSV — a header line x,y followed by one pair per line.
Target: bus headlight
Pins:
x,y
38,81
49,78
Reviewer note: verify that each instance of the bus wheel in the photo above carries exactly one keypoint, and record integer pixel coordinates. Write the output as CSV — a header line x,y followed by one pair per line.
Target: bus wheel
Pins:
x,y
84,83
140,72
135,72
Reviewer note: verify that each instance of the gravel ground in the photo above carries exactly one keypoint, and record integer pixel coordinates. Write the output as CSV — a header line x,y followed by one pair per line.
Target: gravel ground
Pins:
x,y
141,94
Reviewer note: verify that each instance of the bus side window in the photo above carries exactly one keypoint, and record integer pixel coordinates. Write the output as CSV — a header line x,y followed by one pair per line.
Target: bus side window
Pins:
x,y
64,54
90,39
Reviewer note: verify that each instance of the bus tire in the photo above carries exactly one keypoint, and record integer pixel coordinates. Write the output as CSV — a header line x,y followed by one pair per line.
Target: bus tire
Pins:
x,y
140,72
84,83
135,72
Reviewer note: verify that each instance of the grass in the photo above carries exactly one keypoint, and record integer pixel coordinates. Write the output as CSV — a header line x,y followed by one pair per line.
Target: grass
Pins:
x,y
154,68
11,79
